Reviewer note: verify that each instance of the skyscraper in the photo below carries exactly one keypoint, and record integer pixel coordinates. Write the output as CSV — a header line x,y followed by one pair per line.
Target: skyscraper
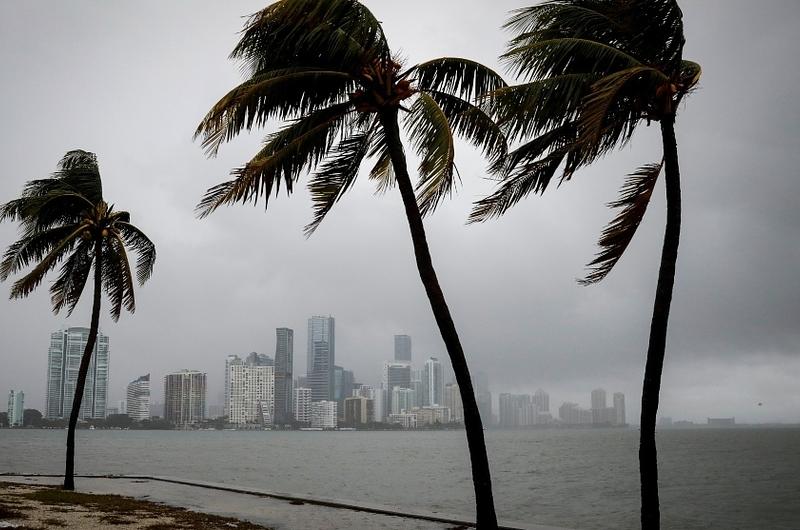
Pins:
x,y
394,374
601,414
542,400
432,383
321,357
250,394
598,399
138,399
402,348
619,408
16,407
185,397
284,368
63,363
452,400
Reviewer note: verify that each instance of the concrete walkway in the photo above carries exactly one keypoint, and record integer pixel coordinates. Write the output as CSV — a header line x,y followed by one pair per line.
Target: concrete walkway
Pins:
x,y
278,510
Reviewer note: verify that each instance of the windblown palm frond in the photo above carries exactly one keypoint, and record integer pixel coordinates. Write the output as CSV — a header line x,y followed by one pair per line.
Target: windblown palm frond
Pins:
x,y
633,202
594,70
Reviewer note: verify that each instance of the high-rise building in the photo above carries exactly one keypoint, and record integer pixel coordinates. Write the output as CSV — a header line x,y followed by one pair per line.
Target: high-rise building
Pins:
x,y
619,408
185,397
321,357
542,400
432,383
403,399
284,368
16,408
598,399
138,399
358,411
572,414
323,414
452,400
402,348
250,393
302,405
63,363
394,374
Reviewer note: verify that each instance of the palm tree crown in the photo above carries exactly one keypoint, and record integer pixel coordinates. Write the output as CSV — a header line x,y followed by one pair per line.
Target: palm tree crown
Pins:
x,y
594,71
65,219
326,68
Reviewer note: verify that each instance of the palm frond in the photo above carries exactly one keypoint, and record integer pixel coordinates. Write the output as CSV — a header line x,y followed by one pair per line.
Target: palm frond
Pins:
x,y
284,93
538,106
456,76
633,202
473,124
25,285
336,176
300,145
532,177
292,32
568,55
67,289
610,90
117,276
383,170
144,248
33,248
432,137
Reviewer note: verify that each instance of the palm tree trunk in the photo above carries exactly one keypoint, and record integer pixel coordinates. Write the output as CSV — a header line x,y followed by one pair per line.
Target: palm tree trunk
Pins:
x,y
69,478
648,461
481,478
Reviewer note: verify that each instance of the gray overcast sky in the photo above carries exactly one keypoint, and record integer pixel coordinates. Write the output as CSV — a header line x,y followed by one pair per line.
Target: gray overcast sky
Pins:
x,y
131,80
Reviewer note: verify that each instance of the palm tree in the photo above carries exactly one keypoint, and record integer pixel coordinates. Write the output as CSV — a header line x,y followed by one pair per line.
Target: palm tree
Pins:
x,y
593,71
325,67
64,218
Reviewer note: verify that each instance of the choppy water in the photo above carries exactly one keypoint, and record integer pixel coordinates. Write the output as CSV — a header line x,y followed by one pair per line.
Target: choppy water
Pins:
x,y
583,479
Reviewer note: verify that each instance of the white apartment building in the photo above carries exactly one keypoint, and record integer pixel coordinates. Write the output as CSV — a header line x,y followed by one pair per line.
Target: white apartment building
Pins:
x,y
250,392
137,404
16,407
323,414
302,405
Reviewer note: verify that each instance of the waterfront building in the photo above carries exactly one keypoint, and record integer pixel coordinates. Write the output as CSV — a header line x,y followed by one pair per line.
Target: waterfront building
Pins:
x,y
408,420
323,414
403,399
321,357
302,405
250,390
16,408
358,411
542,400
284,368
432,415
138,399
402,348
416,386
432,383
394,374
484,397
512,413
63,363
185,397
452,400
619,409
572,414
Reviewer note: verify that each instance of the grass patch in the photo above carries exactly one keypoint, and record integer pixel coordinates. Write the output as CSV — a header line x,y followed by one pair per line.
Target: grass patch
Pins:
x,y
114,504
7,512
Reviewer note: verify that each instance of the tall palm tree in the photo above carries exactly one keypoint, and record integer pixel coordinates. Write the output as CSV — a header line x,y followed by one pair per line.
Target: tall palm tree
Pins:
x,y
325,67
64,218
593,71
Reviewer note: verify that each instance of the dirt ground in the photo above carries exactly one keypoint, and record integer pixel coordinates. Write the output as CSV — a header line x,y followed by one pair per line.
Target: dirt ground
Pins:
x,y
45,507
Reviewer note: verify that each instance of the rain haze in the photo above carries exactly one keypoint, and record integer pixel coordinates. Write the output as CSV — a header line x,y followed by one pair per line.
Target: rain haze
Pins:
x,y
130,81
